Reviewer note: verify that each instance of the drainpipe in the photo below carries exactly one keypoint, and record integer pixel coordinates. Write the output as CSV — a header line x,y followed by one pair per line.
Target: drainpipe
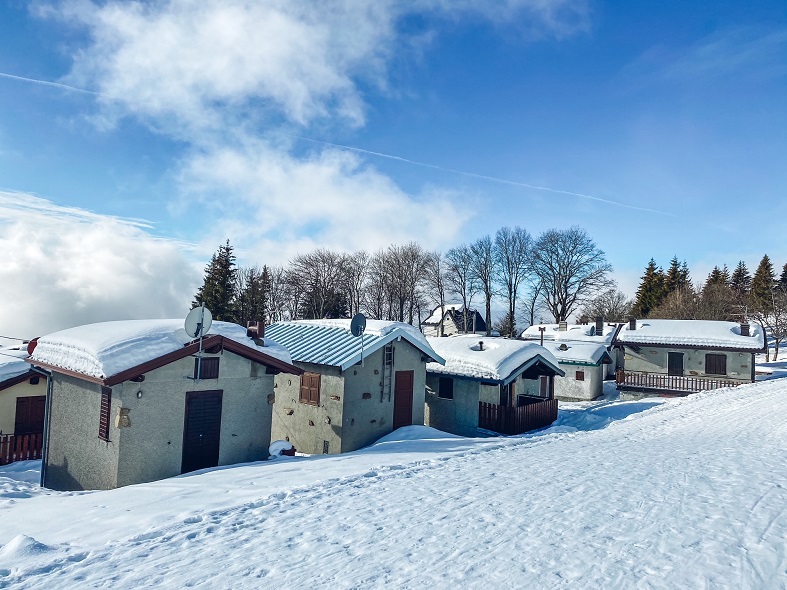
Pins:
x,y
47,422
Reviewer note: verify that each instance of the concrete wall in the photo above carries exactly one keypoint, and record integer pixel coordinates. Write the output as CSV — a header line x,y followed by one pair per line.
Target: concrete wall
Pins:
x,y
8,401
78,459
458,415
345,418
147,444
151,448
654,360
569,389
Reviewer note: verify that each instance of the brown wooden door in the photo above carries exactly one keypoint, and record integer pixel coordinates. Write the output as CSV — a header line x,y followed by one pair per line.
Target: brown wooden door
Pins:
x,y
403,399
202,430
29,417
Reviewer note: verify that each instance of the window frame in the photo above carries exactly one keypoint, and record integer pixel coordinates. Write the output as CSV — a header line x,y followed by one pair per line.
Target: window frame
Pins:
x,y
440,389
312,393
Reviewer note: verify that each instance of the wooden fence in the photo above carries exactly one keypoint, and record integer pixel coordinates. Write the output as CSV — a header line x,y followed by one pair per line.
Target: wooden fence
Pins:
x,y
505,420
24,447
672,383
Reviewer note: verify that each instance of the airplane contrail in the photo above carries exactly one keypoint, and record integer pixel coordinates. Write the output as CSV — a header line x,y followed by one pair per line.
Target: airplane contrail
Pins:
x,y
48,83
486,177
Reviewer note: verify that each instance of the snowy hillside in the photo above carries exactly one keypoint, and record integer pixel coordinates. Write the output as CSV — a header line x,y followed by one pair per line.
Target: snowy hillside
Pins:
x,y
686,493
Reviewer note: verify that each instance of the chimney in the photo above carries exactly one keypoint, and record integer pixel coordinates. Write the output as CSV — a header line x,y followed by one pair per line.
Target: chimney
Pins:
x,y
599,325
632,323
256,329
480,345
562,326
745,328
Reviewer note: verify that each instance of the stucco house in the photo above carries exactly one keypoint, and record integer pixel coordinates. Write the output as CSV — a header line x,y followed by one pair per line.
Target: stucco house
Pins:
x,y
454,315
341,402
22,402
598,332
679,357
126,405
490,384
585,367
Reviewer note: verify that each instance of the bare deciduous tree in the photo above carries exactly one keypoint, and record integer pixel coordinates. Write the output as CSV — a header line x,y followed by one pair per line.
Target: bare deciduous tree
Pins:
x,y
612,305
482,267
511,252
572,269
319,274
356,268
460,279
435,284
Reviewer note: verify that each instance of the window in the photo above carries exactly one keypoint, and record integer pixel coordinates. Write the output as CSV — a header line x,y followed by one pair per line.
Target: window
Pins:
x,y
580,375
445,388
103,416
209,368
310,389
715,364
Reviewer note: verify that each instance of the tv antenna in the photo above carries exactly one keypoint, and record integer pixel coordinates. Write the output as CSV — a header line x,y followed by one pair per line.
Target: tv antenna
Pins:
x,y
357,328
197,324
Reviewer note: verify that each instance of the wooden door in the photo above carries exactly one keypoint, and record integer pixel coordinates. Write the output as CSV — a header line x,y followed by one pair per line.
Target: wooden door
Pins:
x,y
202,430
675,363
403,399
29,417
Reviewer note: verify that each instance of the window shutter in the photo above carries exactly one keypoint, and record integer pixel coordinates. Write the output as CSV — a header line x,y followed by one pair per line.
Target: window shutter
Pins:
x,y
310,389
715,364
104,411
209,369
580,375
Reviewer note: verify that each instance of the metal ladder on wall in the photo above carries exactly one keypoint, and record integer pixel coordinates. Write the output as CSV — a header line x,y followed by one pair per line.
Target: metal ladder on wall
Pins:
x,y
388,364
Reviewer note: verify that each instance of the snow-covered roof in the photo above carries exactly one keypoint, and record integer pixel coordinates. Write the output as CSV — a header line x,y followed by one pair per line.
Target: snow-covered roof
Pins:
x,y
329,342
108,348
499,360
12,363
698,333
437,315
589,353
573,332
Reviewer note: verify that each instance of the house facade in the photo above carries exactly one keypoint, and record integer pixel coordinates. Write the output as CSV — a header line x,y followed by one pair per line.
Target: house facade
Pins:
x,y
136,401
454,317
585,367
22,394
354,390
679,357
490,384
598,332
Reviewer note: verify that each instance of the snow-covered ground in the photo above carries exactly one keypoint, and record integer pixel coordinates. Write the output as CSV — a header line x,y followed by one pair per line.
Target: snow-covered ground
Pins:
x,y
679,493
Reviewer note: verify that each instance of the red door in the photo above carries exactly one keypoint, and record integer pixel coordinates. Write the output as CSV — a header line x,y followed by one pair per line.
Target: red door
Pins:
x,y
403,399
29,415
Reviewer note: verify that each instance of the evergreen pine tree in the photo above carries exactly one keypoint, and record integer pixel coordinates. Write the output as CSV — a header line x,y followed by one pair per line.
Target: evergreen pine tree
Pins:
x,y
673,278
685,277
219,289
715,278
253,288
783,278
760,295
652,290
741,280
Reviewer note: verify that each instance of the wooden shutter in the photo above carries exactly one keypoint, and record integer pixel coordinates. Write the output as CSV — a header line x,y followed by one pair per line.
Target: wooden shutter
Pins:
x,y
310,389
580,375
445,388
104,411
209,369
715,364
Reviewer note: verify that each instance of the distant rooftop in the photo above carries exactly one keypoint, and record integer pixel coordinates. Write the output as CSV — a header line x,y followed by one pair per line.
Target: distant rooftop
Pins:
x,y
575,332
699,333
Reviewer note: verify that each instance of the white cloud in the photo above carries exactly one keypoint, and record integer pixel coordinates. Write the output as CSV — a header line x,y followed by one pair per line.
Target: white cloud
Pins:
x,y
62,266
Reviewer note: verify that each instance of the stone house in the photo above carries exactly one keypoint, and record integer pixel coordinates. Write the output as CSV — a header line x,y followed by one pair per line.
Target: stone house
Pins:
x,y
490,384
135,401
679,357
354,390
585,367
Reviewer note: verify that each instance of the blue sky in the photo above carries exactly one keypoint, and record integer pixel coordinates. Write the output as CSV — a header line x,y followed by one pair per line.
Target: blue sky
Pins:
x,y
224,119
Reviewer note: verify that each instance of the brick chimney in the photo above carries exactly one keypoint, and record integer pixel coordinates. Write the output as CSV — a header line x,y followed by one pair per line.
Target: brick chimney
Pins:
x,y
745,328
599,325
562,326
256,329
632,323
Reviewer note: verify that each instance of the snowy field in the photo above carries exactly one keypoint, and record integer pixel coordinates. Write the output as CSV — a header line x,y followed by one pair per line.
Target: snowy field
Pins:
x,y
681,493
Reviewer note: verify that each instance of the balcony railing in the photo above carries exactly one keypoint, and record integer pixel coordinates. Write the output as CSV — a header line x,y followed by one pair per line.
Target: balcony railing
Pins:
x,y
671,383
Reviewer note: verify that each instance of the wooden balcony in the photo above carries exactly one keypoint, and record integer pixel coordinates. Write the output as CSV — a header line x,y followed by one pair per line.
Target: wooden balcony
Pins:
x,y
536,413
23,447
675,384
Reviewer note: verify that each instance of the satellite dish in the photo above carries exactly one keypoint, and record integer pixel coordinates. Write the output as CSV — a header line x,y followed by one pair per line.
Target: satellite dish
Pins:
x,y
198,322
358,324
